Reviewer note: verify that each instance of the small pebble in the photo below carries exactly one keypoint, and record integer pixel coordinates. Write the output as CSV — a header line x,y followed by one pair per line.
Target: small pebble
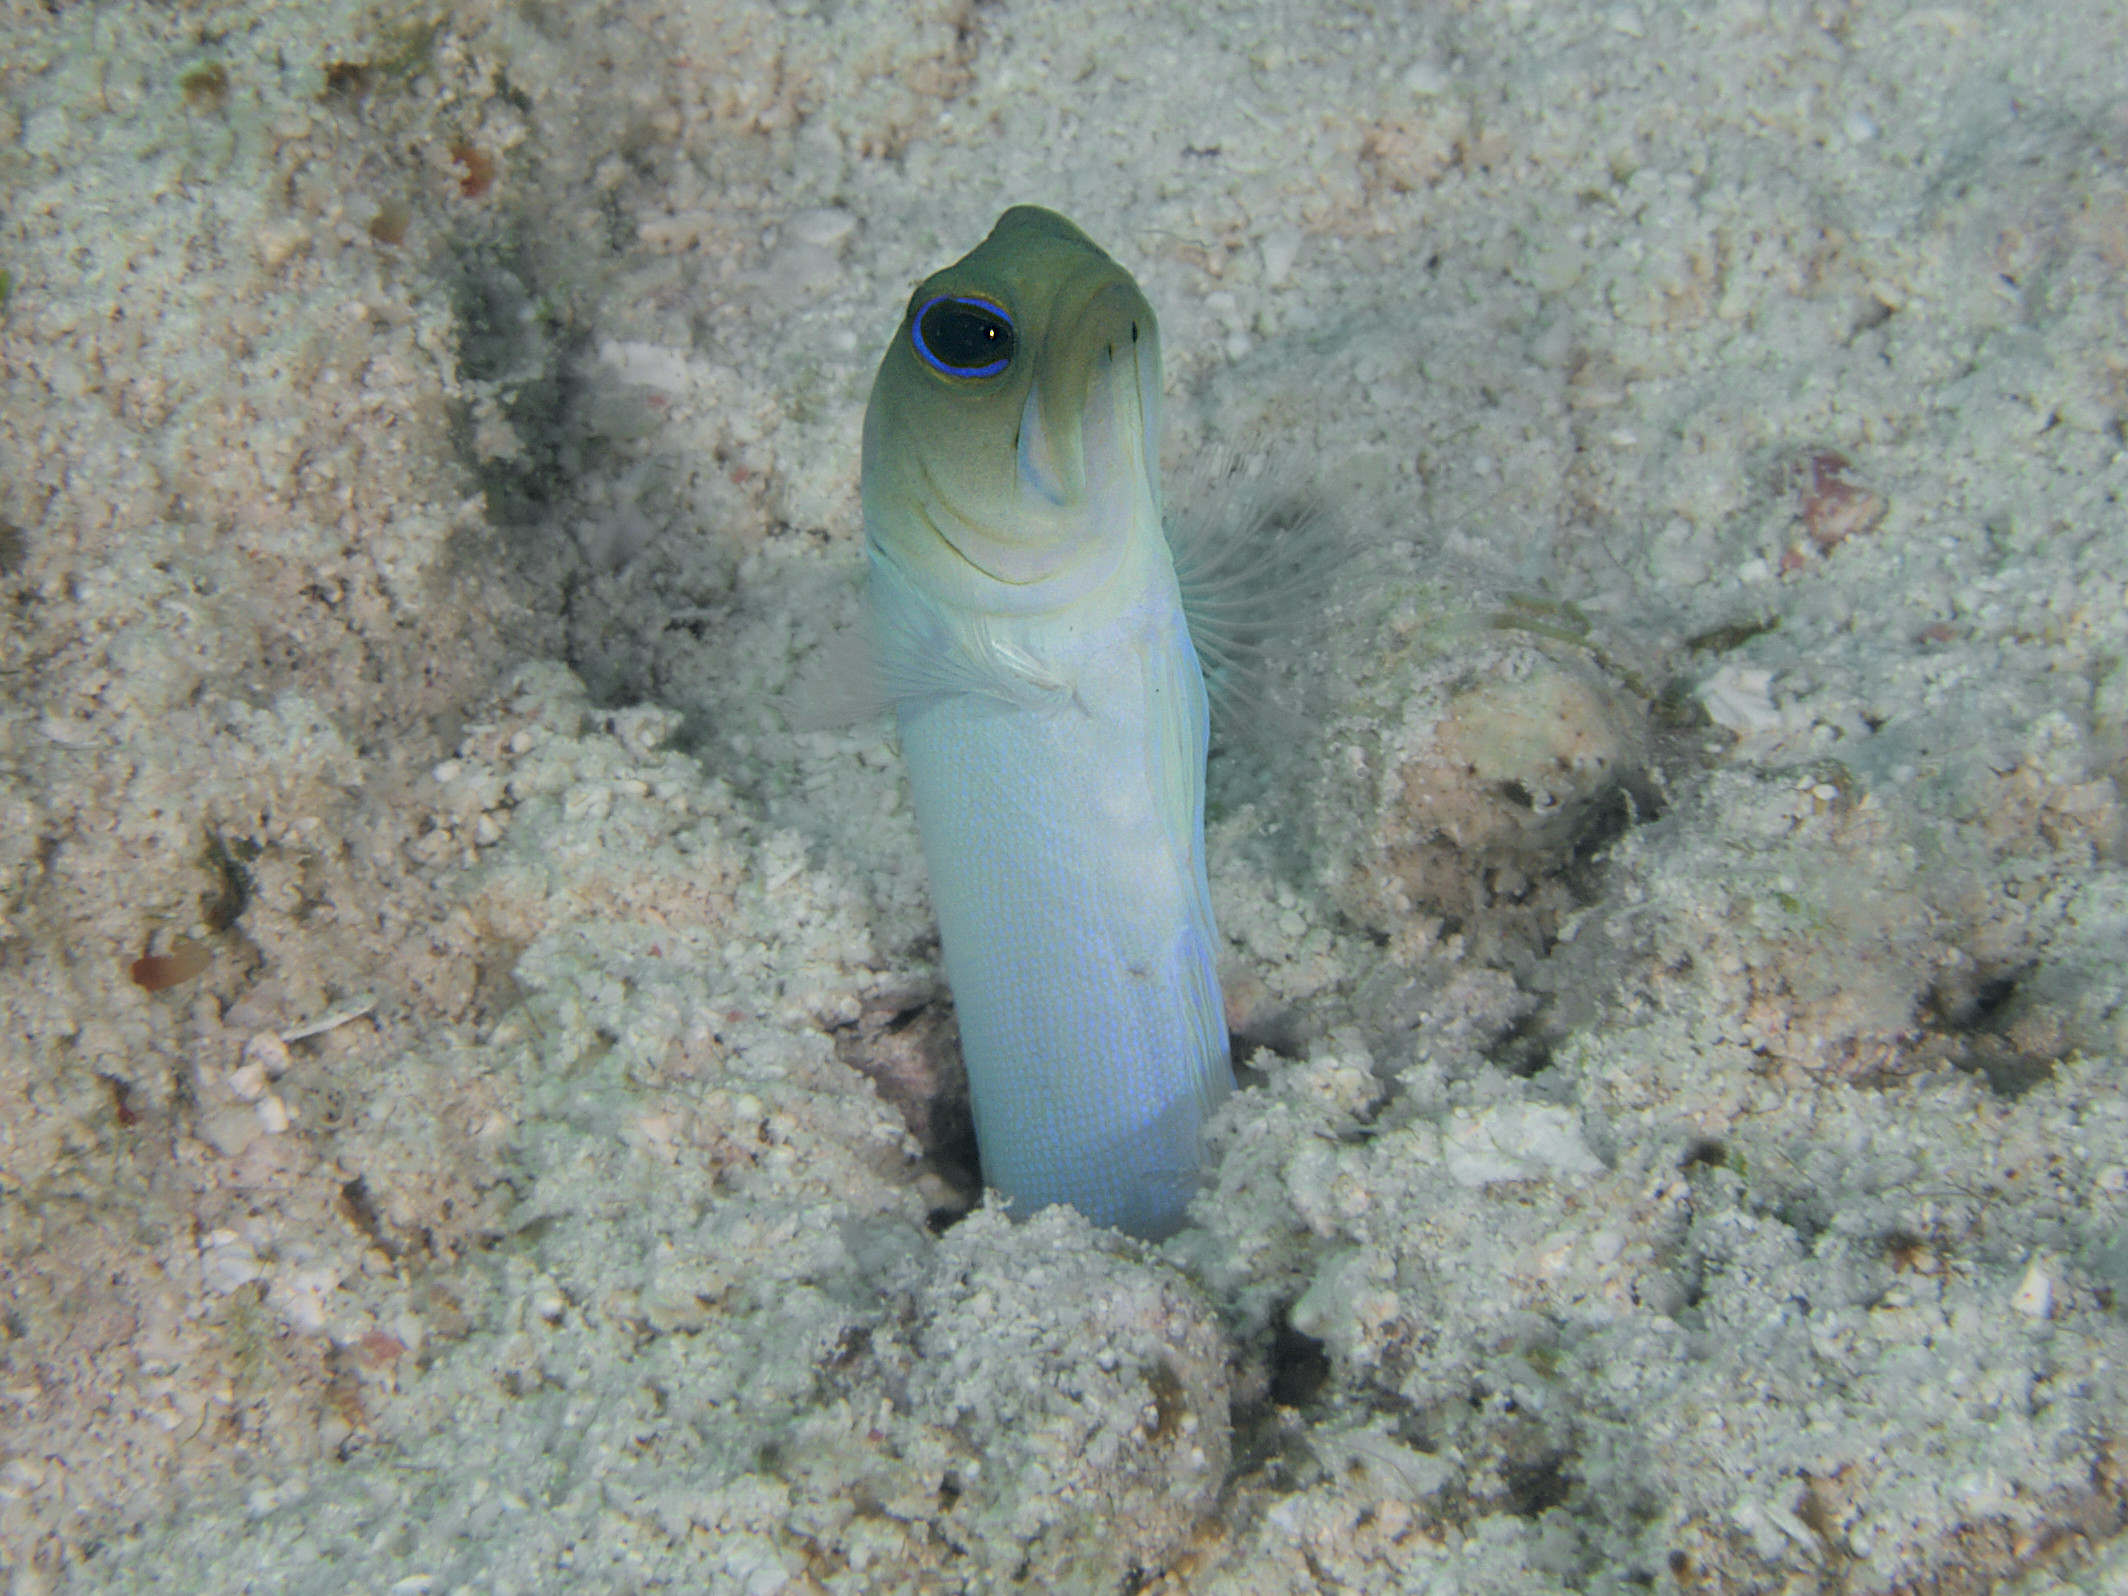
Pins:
x,y
2034,1297
1426,78
1281,248
269,1053
276,242
228,1130
227,1262
823,229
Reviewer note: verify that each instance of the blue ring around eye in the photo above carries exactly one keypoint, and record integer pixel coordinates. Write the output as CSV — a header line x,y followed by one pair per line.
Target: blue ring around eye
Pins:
x,y
937,363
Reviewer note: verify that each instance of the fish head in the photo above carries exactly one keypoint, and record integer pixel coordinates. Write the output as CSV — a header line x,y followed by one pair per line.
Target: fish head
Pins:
x,y
1011,445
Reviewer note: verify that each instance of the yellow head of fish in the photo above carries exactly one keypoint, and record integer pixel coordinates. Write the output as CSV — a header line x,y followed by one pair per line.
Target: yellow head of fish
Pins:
x,y
1011,446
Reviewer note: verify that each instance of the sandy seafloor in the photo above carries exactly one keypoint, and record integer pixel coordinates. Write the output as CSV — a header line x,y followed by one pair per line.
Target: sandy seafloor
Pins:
x,y
1674,897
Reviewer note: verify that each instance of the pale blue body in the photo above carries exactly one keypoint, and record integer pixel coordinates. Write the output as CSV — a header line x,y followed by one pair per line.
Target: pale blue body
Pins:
x,y
1062,819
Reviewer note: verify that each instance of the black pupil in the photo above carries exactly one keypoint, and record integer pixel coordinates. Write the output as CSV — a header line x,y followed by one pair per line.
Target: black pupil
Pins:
x,y
968,336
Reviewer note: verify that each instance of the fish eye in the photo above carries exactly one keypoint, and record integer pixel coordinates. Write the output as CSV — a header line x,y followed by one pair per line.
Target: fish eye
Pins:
x,y
962,337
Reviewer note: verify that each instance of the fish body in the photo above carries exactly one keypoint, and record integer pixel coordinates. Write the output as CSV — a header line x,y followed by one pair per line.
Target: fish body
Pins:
x,y
1031,636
